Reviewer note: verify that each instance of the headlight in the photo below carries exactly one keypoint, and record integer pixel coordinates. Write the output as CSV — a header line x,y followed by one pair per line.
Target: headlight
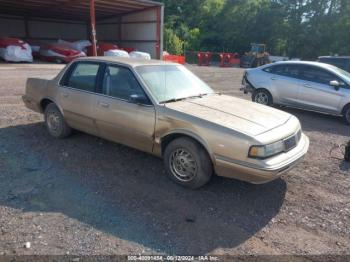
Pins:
x,y
267,150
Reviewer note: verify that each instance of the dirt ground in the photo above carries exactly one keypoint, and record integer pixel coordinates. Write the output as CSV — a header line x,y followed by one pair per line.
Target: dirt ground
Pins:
x,y
84,195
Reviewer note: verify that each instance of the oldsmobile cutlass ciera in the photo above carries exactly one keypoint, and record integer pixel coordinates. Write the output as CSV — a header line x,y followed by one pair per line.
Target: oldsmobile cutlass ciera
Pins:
x,y
163,109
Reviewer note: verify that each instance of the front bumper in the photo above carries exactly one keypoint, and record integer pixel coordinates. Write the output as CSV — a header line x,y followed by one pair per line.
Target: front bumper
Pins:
x,y
266,170
246,86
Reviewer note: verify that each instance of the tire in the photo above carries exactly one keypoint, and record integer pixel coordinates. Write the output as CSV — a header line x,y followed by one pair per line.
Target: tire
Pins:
x,y
55,123
187,163
346,114
262,96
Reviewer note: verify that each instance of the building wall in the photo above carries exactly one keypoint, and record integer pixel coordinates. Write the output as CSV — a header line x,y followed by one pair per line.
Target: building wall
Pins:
x,y
12,27
42,29
137,30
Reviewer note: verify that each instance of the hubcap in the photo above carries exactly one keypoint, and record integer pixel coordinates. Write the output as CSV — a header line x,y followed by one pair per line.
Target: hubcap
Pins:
x,y
183,165
262,98
53,121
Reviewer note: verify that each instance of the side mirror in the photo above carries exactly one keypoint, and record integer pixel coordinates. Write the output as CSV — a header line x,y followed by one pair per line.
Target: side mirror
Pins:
x,y
139,99
335,84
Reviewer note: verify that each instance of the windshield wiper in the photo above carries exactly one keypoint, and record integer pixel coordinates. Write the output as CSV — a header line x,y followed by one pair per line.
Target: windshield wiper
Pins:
x,y
172,100
182,98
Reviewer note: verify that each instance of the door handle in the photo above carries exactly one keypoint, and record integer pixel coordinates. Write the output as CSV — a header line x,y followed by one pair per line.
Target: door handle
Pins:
x,y
307,85
273,78
102,104
65,95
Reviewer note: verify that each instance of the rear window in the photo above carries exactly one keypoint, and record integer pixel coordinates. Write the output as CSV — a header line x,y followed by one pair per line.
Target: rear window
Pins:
x,y
284,70
82,76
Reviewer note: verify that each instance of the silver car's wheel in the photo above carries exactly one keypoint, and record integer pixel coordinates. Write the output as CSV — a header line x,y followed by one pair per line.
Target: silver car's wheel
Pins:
x,y
262,96
55,123
346,114
187,162
183,165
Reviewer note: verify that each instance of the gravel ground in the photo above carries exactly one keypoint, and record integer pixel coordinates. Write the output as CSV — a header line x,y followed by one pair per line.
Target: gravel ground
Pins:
x,y
85,195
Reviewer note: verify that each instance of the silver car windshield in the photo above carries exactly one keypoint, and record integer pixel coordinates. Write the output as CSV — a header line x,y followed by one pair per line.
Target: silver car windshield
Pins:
x,y
169,83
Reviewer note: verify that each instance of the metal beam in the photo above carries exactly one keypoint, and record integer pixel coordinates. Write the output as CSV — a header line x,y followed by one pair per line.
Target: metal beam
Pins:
x,y
93,27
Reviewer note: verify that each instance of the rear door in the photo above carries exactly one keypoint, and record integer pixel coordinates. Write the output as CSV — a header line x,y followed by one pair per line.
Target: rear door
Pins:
x,y
285,82
316,93
118,117
77,92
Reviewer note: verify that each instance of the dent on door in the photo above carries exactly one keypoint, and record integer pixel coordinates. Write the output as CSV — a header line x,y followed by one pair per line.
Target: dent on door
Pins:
x,y
126,123
77,109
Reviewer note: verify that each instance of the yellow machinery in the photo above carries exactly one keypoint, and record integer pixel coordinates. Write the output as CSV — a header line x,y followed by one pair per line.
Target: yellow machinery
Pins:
x,y
257,56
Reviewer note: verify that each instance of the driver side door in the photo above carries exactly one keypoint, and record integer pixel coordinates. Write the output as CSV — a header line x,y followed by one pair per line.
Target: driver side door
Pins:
x,y
119,118
316,93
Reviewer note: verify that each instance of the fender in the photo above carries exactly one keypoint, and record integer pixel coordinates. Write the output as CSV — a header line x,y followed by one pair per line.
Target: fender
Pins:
x,y
185,132
53,101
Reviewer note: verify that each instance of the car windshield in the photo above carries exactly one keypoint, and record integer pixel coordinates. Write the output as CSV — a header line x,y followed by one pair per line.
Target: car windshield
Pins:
x,y
343,73
169,83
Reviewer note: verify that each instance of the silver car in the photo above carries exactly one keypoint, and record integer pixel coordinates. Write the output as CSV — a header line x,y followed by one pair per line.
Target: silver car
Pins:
x,y
308,85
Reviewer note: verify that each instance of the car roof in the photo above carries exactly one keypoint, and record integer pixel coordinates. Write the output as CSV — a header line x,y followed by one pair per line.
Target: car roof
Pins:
x,y
133,62
312,63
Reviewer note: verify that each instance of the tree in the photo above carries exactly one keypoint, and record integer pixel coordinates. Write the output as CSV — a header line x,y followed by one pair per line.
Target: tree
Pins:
x,y
296,28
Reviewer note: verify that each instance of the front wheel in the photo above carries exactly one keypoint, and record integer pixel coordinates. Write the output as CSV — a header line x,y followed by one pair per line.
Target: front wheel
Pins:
x,y
346,114
187,163
262,96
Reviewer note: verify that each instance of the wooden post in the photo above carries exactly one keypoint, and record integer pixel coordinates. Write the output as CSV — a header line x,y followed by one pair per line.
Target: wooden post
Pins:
x,y
93,27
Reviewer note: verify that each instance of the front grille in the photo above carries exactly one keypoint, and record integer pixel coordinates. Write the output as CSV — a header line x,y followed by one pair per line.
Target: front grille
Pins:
x,y
292,141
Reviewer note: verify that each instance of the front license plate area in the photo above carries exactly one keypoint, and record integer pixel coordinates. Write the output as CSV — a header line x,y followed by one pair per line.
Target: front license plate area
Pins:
x,y
290,143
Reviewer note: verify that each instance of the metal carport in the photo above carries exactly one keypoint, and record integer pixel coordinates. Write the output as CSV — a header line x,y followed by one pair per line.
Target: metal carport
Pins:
x,y
128,23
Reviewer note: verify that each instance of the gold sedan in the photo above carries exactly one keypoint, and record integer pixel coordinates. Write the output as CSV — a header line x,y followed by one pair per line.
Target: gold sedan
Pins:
x,y
163,109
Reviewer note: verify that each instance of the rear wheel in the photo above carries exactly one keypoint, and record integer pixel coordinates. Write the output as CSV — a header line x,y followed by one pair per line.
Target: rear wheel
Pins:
x,y
55,123
346,114
187,163
262,96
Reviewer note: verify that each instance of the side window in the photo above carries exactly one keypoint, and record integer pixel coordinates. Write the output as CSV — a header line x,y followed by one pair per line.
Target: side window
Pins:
x,y
317,75
284,70
83,76
121,83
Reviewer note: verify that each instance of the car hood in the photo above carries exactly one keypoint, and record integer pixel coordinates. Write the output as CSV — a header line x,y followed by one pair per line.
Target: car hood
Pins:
x,y
234,113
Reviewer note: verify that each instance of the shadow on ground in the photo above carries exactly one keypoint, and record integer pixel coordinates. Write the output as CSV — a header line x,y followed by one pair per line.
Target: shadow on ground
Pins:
x,y
313,121
125,193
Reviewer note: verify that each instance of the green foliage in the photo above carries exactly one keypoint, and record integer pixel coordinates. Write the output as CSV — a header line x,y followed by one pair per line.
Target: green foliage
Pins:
x,y
298,28
173,44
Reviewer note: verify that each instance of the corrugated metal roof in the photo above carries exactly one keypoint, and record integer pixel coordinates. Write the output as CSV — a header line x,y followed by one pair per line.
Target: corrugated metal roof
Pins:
x,y
72,9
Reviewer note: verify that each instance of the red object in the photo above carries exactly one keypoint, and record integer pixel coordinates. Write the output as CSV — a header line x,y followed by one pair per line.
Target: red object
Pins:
x,y
204,58
128,49
175,58
59,53
6,41
93,27
229,59
101,49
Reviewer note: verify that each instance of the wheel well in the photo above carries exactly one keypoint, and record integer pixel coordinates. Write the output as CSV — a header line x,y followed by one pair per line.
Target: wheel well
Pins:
x,y
263,88
167,139
44,103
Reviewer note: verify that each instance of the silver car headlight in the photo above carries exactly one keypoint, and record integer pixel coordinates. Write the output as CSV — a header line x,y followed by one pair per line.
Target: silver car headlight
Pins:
x,y
267,150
